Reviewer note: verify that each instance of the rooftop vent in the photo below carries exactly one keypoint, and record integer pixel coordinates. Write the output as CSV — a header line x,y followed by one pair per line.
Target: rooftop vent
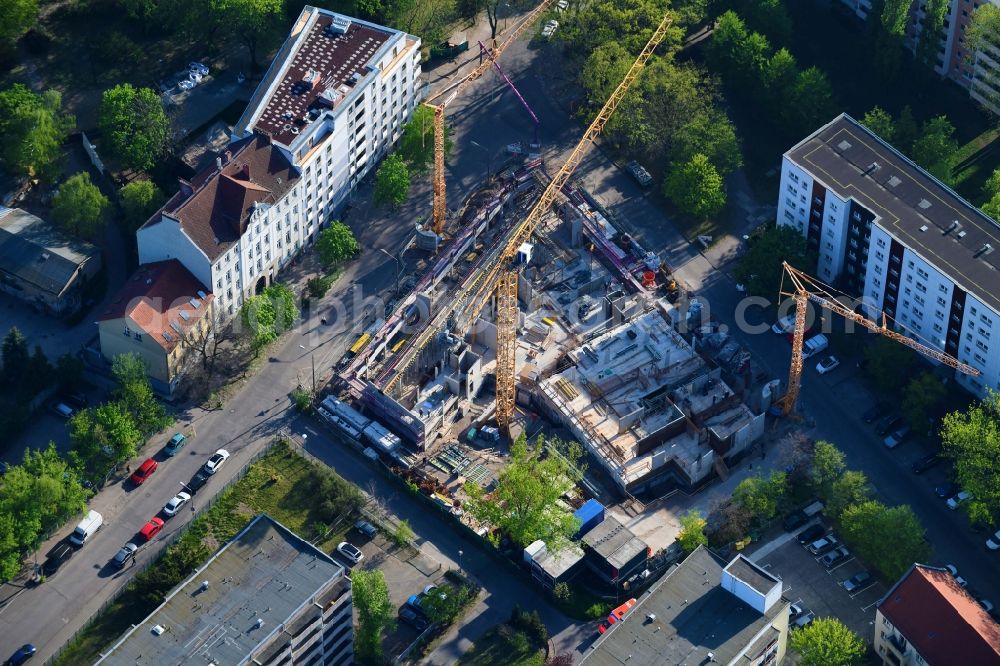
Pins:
x,y
339,25
204,585
984,250
954,226
923,227
311,78
158,629
45,256
873,167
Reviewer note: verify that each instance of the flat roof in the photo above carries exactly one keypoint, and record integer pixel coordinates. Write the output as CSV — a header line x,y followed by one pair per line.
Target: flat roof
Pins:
x,y
695,615
39,253
265,573
759,579
915,207
317,71
614,542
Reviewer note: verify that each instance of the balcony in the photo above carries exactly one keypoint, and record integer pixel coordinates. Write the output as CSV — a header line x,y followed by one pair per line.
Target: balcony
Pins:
x,y
898,644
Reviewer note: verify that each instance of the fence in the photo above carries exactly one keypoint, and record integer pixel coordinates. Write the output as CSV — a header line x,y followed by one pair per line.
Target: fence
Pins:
x,y
164,544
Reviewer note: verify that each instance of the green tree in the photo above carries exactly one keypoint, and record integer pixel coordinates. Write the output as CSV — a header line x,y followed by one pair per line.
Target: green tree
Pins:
x,y
16,18
336,244
79,206
983,31
762,497
526,504
629,22
766,16
921,397
403,534
68,371
866,525
935,13
392,181
136,394
879,121
139,200
33,129
991,195
728,37
416,144
444,605
692,532
780,74
760,269
810,102
894,16
134,127
696,187
972,439
826,641
827,466
375,611
712,134
250,19
934,147
888,364
849,489
603,70
268,314
906,130
15,355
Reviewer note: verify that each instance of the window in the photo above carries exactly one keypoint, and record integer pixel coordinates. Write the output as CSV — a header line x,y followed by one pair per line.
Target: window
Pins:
x,y
943,289
983,332
940,301
128,332
937,328
982,345
979,358
881,243
986,320
788,215
138,338
921,288
879,255
918,300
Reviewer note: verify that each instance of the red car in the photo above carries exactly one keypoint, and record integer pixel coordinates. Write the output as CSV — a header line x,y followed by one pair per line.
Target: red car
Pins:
x,y
145,471
151,529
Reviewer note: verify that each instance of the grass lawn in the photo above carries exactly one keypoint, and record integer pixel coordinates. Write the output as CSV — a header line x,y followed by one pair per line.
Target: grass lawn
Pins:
x,y
582,604
504,645
282,484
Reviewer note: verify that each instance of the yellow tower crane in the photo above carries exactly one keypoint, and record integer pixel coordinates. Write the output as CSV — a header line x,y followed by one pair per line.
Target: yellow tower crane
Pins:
x,y
807,288
440,199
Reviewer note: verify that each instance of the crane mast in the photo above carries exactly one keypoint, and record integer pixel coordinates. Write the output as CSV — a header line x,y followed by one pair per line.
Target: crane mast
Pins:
x,y
803,295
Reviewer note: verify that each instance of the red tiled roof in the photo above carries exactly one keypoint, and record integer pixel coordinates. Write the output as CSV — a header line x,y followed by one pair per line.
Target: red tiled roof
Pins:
x,y
160,298
213,209
941,620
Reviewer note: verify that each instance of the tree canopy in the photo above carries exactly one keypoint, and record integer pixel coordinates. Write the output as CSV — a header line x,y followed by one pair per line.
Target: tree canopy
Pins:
x,y
134,126
991,194
33,129
416,144
336,244
268,314
696,187
375,613
888,364
525,504
139,200
826,641
760,269
692,532
80,207
880,121
827,466
762,497
921,397
250,19
866,526
16,18
934,146
849,489
392,181
136,394
972,439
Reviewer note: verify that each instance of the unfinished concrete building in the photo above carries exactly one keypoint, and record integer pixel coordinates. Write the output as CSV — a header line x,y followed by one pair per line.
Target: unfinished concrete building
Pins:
x,y
648,408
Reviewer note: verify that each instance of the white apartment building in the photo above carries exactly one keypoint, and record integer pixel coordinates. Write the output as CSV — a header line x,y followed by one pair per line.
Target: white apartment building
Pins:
x,y
266,598
890,234
330,106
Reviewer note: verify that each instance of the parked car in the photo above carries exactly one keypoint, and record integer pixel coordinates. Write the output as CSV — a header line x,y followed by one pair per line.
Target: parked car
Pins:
x,y
946,490
125,555
198,67
175,504
175,444
811,533
197,481
151,528
366,528
953,570
925,463
23,654
858,581
823,545
959,499
804,620
87,528
57,557
815,345
835,557
794,610
993,543
186,84
897,437
875,412
794,520
412,617
350,551
828,364
784,325
888,424
217,460
145,471
60,408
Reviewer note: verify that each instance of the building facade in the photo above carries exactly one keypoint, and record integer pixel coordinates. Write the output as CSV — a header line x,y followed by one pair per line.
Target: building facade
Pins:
x,y
41,265
331,105
929,619
266,598
898,240
161,314
978,71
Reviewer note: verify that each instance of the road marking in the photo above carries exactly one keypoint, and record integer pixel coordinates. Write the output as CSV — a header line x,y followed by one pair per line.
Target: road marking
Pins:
x,y
864,609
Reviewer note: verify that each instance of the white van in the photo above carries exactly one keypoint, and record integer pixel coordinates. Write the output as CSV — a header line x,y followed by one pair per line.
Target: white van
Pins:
x,y
814,345
87,528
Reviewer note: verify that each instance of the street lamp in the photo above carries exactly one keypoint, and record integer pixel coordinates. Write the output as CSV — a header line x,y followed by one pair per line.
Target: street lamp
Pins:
x,y
489,160
399,265
460,553
312,360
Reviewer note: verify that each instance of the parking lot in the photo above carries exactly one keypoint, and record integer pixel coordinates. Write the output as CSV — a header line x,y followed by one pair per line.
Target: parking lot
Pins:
x,y
818,589
406,571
